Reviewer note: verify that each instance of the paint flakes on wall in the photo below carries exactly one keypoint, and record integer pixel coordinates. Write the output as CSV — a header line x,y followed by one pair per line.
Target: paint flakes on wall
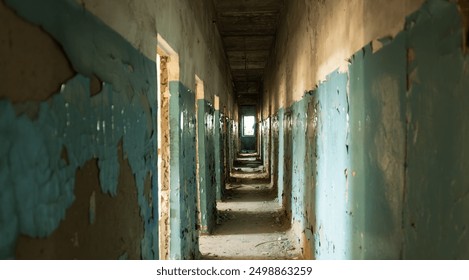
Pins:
x,y
183,197
435,217
411,89
37,184
206,151
330,102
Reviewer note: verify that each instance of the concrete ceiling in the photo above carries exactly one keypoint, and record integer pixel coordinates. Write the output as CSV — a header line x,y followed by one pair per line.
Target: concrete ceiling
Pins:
x,y
247,28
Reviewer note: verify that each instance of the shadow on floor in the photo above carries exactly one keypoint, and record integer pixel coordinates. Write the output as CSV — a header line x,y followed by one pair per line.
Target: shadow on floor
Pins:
x,y
246,222
241,192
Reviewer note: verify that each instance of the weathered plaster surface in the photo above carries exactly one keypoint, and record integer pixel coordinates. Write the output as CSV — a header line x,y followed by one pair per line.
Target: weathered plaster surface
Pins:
x,y
183,197
377,150
37,182
436,201
274,152
317,37
219,146
115,232
207,175
385,153
186,26
330,101
280,157
266,144
29,54
311,173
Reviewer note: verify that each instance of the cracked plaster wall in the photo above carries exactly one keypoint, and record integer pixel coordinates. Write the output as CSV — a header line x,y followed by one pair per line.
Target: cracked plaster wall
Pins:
x,y
184,26
207,173
220,153
183,195
385,154
317,37
113,121
108,135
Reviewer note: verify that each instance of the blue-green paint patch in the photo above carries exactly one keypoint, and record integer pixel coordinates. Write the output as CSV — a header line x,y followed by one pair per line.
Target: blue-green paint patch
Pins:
x,y
377,151
219,144
298,159
330,101
184,241
310,170
266,144
280,150
385,158
436,217
287,158
230,134
36,184
206,153
274,134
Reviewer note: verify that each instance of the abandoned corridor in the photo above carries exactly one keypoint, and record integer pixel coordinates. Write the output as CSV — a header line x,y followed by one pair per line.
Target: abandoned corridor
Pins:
x,y
234,129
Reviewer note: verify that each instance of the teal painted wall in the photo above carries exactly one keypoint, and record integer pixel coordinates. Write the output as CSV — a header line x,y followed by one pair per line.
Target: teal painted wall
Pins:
x,y
331,215
279,158
207,173
36,184
233,139
287,161
184,242
266,146
436,211
311,173
229,149
377,150
298,156
219,146
383,149
273,153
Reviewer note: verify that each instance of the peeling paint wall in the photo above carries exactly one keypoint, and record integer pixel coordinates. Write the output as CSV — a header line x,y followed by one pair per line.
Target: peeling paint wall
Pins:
x,y
234,139
332,218
183,197
79,100
266,146
186,27
311,173
317,37
288,155
377,151
436,181
219,146
298,156
382,148
280,158
207,174
274,152
43,159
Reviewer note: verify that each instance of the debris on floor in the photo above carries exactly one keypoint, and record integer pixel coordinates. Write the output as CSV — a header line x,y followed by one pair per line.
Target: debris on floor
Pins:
x,y
250,224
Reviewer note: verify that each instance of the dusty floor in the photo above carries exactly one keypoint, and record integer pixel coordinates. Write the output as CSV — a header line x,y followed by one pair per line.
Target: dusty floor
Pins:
x,y
251,224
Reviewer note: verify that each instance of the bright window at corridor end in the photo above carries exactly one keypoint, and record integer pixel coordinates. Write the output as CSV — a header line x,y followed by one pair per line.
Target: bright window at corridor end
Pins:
x,y
248,125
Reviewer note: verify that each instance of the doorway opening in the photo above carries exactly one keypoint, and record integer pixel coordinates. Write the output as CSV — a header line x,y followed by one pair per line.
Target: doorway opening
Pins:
x,y
199,95
167,69
248,131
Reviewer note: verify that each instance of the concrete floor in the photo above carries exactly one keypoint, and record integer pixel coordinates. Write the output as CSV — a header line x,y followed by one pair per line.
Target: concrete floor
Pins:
x,y
251,224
